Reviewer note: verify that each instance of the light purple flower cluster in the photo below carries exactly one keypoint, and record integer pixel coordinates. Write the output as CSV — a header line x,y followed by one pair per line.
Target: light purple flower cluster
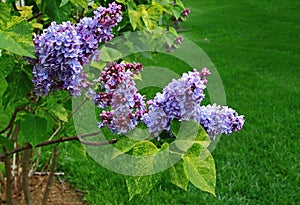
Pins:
x,y
218,119
122,105
57,65
63,49
178,100
181,100
97,29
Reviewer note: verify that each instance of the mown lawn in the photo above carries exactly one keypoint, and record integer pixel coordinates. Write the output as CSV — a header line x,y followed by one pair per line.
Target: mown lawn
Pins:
x,y
255,46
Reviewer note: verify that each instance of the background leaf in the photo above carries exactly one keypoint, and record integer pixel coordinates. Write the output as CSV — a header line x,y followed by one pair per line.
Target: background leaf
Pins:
x,y
81,3
6,143
60,112
54,11
18,87
34,129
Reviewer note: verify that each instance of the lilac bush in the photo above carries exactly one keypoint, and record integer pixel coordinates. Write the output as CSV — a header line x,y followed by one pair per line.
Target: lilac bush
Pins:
x,y
63,49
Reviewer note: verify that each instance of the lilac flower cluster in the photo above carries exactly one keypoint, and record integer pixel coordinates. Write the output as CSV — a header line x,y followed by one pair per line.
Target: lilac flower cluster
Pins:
x,y
97,29
178,100
122,105
181,100
218,119
63,49
57,65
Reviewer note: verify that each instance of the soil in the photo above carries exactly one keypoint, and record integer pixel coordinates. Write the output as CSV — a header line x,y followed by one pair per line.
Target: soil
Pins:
x,y
60,193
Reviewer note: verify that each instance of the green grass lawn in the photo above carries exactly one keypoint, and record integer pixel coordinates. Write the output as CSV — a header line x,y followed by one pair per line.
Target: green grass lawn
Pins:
x,y
255,46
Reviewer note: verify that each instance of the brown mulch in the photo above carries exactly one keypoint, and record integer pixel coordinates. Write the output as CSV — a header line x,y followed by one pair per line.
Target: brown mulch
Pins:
x,y
60,193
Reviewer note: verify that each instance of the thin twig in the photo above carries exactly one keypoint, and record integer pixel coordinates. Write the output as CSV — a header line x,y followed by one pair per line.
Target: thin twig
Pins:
x,y
51,176
96,143
35,16
62,139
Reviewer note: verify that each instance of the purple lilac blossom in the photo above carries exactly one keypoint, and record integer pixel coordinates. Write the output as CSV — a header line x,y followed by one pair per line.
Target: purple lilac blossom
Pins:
x,y
218,119
122,105
97,29
181,100
178,100
63,49
57,65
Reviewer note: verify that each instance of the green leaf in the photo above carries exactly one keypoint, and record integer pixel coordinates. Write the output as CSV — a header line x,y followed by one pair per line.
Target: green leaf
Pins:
x,y
109,54
122,146
34,129
54,11
144,148
19,86
178,177
165,3
180,4
4,15
187,133
7,63
6,143
141,185
81,3
60,112
63,2
16,35
121,1
177,12
25,11
200,169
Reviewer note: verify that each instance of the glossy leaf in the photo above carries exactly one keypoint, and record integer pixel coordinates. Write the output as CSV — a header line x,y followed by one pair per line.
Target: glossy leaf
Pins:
x,y
122,146
141,185
200,169
144,148
178,177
